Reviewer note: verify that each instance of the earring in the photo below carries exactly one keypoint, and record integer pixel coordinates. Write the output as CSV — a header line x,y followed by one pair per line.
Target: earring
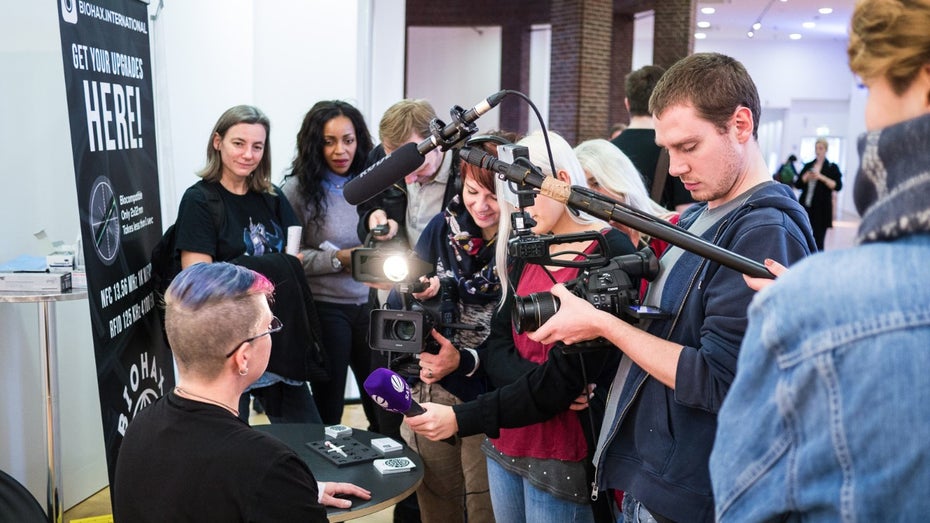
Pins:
x,y
243,372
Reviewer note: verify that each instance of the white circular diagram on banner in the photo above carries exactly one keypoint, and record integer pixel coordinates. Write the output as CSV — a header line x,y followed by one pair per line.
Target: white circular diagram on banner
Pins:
x,y
104,220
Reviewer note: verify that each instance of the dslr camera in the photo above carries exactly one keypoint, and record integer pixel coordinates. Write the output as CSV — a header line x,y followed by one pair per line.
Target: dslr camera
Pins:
x,y
613,287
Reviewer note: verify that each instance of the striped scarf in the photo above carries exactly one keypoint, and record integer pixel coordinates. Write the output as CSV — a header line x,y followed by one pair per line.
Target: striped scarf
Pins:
x,y
892,190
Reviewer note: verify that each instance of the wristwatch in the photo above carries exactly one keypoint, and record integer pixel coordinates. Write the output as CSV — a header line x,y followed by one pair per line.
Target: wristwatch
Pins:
x,y
337,265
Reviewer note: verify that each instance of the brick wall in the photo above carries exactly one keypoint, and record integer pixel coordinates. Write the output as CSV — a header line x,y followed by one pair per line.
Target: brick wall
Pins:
x,y
582,32
674,31
592,46
621,63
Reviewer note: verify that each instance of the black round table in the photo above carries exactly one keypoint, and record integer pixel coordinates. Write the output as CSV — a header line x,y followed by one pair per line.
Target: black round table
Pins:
x,y
386,490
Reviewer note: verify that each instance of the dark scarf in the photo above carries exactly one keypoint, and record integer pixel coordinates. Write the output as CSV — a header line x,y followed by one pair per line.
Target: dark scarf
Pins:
x,y
472,259
892,190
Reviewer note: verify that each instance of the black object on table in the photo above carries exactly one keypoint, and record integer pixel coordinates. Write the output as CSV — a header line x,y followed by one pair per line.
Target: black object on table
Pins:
x,y
386,490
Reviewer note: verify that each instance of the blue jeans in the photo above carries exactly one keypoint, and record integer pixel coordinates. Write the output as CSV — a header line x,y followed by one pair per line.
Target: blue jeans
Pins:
x,y
295,403
345,335
634,511
515,500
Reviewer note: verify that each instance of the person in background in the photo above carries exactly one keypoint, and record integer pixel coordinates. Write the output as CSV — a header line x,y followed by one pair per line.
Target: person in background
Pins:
x,y
616,129
251,232
818,180
608,171
332,147
188,457
406,207
638,140
826,419
787,173
462,241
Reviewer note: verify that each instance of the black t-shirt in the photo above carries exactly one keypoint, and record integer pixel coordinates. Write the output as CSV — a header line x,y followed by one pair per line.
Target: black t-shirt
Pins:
x,y
253,224
640,147
183,460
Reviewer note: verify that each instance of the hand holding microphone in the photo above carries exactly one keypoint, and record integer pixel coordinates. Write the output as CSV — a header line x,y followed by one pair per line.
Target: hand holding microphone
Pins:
x,y
389,390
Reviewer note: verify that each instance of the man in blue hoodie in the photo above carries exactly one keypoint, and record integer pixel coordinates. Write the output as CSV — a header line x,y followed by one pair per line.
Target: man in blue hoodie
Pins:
x,y
661,413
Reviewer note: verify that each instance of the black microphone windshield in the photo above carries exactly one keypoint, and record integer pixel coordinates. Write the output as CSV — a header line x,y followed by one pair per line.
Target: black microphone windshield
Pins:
x,y
383,174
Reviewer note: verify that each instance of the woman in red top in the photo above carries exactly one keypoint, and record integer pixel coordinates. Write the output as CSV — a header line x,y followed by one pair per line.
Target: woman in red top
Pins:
x,y
538,472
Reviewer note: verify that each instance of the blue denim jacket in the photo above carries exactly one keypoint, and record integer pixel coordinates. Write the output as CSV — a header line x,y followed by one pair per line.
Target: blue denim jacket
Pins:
x,y
829,414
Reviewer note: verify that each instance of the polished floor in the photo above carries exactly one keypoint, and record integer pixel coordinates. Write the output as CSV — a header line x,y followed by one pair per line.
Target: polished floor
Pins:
x,y
97,509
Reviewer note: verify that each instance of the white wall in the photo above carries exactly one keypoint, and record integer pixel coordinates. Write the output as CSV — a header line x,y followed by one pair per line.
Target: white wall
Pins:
x,y
207,55
220,53
802,84
39,193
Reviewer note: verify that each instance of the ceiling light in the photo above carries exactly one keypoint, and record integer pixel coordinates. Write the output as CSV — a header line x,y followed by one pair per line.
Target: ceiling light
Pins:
x,y
700,36
708,10
795,36
825,10
750,34
703,24
809,25
756,26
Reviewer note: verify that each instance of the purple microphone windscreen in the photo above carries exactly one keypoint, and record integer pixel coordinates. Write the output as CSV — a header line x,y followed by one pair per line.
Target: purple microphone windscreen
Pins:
x,y
388,390
383,174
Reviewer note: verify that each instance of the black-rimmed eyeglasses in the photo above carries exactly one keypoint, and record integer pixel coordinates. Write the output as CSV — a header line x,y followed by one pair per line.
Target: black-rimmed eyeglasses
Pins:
x,y
274,327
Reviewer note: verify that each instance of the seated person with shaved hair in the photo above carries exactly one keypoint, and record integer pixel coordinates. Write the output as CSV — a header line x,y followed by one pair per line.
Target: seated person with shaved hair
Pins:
x,y
188,456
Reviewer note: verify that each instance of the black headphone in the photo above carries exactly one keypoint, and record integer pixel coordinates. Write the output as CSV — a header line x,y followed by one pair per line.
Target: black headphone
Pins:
x,y
477,141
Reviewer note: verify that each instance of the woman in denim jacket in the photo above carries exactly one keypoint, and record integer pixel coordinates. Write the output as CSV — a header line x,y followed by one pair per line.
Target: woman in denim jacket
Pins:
x,y
827,417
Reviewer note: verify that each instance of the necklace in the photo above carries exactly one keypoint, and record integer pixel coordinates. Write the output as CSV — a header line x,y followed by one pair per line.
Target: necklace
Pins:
x,y
208,400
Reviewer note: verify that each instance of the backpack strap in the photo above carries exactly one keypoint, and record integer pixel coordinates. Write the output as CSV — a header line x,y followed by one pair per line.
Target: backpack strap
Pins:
x,y
658,180
214,201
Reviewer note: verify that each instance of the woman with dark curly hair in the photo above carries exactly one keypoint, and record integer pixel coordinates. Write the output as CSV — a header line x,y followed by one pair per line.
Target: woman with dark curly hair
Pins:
x,y
332,147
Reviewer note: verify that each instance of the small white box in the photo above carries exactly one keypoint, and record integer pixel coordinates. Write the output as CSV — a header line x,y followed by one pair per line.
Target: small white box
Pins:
x,y
386,445
60,259
78,279
35,281
393,465
337,431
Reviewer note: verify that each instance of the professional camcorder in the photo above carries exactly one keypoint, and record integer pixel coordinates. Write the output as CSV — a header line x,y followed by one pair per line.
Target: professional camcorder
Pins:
x,y
409,330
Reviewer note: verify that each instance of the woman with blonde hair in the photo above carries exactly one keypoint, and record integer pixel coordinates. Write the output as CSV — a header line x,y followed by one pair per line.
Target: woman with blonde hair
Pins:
x,y
610,172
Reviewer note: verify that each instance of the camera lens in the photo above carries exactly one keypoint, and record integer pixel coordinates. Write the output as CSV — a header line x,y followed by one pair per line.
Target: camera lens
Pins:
x,y
404,330
531,311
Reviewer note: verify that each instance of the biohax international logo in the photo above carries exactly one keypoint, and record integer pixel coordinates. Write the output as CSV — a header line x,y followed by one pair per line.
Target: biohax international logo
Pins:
x,y
146,384
69,11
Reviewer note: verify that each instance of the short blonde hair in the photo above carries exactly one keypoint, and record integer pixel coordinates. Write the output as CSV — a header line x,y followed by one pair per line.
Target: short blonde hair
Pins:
x,y
890,38
404,118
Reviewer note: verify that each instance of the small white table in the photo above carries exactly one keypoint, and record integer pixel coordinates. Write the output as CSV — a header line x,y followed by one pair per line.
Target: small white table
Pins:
x,y
48,341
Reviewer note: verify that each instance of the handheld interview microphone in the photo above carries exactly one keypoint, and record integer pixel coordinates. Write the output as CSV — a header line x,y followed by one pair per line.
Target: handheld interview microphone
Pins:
x,y
407,158
392,394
